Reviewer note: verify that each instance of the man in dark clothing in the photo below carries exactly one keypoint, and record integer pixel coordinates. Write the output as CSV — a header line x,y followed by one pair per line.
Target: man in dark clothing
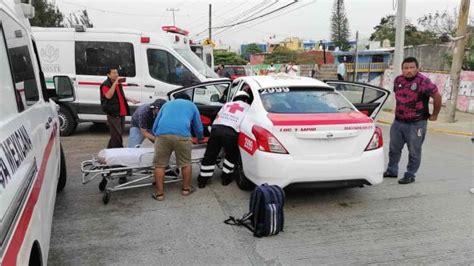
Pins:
x,y
412,93
225,134
114,104
142,123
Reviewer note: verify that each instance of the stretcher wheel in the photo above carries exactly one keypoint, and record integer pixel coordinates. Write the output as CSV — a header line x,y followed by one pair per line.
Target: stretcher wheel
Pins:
x,y
106,197
103,184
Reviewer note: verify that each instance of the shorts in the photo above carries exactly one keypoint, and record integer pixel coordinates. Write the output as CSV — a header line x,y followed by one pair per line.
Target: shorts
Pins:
x,y
166,144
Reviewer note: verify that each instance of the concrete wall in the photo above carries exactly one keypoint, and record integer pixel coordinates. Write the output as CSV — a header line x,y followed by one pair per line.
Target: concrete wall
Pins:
x,y
431,57
443,81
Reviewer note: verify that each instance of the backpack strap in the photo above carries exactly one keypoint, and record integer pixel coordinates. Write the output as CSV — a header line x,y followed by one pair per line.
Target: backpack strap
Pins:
x,y
241,222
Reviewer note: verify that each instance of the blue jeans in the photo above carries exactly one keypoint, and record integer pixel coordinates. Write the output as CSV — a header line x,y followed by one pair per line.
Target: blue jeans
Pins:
x,y
413,134
135,137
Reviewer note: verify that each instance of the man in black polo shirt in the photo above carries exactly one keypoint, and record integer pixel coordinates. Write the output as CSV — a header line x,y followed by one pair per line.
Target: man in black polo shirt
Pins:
x,y
114,104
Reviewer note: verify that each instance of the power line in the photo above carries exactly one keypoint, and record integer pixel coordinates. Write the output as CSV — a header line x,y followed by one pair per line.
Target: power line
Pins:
x,y
260,22
261,16
232,18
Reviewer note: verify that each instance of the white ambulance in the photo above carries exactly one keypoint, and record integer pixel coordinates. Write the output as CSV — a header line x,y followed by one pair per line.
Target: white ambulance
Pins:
x,y
32,165
152,63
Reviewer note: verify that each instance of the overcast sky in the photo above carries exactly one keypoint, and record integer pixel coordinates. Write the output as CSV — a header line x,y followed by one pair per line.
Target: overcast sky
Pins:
x,y
306,19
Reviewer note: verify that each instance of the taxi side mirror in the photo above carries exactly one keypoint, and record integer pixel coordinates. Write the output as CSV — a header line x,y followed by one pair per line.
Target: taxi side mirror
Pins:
x,y
64,88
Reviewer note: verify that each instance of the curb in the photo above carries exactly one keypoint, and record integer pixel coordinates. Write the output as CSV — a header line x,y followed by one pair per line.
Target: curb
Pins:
x,y
446,131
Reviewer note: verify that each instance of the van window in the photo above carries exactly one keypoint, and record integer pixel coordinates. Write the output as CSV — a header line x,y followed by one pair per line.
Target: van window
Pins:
x,y
21,62
165,67
95,58
7,90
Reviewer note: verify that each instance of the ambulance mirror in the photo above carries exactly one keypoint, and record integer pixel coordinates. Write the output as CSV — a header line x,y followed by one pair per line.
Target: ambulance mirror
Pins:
x,y
64,88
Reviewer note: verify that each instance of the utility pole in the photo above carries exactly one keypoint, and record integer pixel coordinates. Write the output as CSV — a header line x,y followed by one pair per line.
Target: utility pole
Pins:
x,y
399,44
458,57
210,23
173,10
399,37
356,57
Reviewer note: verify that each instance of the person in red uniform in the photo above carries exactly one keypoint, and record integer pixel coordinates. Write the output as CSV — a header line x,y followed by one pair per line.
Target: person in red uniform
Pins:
x,y
115,104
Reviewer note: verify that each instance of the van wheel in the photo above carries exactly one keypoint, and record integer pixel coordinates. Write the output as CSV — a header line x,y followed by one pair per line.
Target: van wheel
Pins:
x,y
67,123
62,172
242,181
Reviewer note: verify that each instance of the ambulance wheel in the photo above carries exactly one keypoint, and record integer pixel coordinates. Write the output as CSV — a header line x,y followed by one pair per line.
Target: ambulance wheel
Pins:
x,y
106,197
242,181
102,184
67,123
62,171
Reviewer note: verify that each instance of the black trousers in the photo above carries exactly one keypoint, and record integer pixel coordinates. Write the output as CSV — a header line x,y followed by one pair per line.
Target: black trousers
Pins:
x,y
116,126
221,137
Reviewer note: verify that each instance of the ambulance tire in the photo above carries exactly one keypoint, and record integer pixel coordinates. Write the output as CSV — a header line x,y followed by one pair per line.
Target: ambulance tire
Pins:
x,y
67,122
242,181
62,172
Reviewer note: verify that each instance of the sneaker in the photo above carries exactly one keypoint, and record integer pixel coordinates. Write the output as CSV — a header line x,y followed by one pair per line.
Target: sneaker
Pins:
x,y
406,180
202,182
389,175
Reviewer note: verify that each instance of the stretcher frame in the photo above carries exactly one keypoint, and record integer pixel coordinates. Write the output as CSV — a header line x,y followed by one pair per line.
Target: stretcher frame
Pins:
x,y
136,175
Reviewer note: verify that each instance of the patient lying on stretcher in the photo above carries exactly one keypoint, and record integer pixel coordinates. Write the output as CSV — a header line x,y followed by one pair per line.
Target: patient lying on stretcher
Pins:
x,y
142,156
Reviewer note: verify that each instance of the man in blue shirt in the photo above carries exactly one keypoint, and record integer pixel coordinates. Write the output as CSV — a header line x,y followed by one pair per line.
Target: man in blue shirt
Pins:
x,y
172,130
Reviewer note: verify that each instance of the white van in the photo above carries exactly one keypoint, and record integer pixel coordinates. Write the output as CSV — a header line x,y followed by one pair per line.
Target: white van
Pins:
x,y
32,165
153,64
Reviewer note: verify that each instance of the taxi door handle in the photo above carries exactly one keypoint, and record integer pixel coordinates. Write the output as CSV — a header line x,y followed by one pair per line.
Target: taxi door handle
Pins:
x,y
149,86
48,123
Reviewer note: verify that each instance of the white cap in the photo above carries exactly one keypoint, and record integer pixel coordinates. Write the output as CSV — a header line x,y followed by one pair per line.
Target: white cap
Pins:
x,y
241,94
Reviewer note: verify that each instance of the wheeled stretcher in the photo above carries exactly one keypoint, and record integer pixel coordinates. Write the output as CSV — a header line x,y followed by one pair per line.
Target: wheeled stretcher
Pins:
x,y
134,164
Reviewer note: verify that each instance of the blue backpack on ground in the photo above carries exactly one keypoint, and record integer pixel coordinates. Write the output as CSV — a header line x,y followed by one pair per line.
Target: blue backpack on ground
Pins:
x,y
265,217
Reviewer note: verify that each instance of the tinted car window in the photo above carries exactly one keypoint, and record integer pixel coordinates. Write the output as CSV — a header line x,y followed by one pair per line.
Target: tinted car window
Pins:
x,y
303,100
95,58
165,67
20,58
7,89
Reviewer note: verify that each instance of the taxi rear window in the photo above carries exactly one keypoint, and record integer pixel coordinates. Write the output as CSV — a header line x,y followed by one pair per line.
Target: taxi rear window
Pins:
x,y
291,100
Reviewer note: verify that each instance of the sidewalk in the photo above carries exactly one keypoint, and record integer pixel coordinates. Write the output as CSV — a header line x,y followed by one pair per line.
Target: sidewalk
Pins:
x,y
464,125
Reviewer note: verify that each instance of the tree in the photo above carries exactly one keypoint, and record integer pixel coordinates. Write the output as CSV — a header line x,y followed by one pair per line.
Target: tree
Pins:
x,y
252,48
227,58
339,26
386,30
281,54
78,18
440,22
46,15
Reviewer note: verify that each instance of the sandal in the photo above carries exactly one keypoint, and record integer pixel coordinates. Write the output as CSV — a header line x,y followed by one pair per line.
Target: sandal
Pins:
x,y
158,197
187,191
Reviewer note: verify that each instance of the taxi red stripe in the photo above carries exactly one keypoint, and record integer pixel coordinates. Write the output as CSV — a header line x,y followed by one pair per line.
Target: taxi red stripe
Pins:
x,y
319,119
19,235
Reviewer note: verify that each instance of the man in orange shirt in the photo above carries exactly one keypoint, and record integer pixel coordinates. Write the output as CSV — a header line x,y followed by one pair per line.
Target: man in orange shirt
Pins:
x,y
115,105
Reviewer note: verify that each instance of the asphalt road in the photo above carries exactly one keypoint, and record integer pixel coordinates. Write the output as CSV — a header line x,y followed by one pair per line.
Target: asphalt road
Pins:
x,y
429,221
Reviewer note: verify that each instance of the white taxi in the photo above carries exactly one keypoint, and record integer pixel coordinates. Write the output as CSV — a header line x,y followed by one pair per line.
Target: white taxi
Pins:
x,y
301,131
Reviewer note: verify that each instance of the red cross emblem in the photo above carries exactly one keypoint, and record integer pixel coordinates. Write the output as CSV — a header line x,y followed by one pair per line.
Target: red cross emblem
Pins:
x,y
234,108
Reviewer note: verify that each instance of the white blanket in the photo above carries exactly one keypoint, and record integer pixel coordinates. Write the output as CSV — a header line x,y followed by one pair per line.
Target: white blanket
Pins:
x,y
141,157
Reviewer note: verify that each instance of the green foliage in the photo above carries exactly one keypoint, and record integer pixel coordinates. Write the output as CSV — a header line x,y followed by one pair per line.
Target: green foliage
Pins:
x,y
340,26
252,48
46,15
227,58
440,22
281,55
413,36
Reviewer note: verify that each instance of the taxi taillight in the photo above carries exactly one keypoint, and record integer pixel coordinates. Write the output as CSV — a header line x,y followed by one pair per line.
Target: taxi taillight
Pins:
x,y
376,141
267,142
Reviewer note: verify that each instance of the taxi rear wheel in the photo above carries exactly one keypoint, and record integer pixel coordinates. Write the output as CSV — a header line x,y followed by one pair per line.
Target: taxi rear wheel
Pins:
x,y
242,181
